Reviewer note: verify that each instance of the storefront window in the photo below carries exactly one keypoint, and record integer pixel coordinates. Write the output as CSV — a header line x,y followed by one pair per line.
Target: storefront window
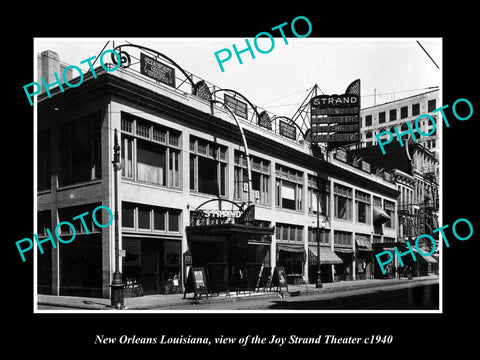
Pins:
x,y
152,264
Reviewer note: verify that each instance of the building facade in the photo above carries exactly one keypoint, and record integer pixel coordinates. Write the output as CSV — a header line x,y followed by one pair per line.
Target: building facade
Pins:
x,y
416,173
384,117
184,188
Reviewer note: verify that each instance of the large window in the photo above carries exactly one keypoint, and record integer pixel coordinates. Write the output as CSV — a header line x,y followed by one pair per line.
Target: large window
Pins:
x,y
260,179
150,153
85,226
288,232
363,207
318,188
342,238
289,188
79,151
208,167
389,208
154,219
343,202
43,161
324,235
403,112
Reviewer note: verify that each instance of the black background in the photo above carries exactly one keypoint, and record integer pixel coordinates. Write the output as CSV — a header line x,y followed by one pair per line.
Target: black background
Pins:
x,y
61,335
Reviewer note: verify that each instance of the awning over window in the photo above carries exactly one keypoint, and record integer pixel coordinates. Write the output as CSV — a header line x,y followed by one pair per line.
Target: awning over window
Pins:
x,y
363,245
379,215
327,256
430,259
343,250
291,247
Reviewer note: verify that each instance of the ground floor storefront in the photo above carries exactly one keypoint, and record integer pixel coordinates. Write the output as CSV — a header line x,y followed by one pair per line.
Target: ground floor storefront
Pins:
x,y
421,266
231,255
234,258
151,266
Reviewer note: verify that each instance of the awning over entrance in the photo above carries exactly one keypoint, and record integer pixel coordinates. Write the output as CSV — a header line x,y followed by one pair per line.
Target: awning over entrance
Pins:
x,y
327,256
230,228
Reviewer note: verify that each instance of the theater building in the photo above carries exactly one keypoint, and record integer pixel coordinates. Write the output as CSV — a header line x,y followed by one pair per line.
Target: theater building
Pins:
x,y
187,191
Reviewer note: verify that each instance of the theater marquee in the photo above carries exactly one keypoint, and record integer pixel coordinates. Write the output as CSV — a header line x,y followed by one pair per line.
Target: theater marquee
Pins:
x,y
335,119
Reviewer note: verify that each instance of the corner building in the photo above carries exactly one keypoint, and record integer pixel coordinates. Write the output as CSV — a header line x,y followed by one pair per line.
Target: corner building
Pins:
x,y
183,187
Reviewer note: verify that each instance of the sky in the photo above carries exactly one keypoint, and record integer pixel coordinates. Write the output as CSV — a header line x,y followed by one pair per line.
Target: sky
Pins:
x,y
391,68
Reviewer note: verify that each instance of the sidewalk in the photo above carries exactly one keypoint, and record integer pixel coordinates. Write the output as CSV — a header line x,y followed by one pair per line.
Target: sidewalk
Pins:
x,y
159,301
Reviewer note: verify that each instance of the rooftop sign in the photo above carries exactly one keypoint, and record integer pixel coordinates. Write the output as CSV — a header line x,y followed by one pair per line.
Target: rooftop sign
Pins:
x,y
335,119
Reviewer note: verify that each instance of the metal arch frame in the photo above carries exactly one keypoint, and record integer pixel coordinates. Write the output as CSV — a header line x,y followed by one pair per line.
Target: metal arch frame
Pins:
x,y
119,47
243,97
290,121
212,200
244,140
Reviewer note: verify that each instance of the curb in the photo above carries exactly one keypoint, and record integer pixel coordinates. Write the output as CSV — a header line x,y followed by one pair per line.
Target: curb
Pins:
x,y
223,298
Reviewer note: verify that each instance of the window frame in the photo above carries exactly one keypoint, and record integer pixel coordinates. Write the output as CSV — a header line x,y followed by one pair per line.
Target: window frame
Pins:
x,y
215,152
170,143
287,175
151,216
345,192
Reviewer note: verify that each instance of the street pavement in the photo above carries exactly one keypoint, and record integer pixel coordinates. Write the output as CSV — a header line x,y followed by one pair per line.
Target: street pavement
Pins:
x,y
297,297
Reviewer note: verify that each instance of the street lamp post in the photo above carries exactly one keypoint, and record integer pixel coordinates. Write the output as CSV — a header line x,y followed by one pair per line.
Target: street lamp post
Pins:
x,y
117,284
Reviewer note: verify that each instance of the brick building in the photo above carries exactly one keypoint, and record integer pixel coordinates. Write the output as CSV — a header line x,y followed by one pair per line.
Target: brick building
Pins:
x,y
184,187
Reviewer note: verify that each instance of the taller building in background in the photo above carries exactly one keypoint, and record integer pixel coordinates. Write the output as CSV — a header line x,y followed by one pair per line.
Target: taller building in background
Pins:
x,y
379,118
415,166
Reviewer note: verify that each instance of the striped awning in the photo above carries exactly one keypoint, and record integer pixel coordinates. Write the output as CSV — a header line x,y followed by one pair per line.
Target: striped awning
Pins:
x,y
290,247
430,259
327,256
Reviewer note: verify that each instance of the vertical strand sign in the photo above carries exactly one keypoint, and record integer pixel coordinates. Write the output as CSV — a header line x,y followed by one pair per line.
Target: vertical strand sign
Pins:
x,y
335,119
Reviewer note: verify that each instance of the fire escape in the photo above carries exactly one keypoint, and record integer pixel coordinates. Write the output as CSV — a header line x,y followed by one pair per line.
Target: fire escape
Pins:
x,y
427,218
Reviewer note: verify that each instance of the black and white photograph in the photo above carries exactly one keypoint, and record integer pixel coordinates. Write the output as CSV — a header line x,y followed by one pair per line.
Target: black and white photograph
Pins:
x,y
212,201
275,188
